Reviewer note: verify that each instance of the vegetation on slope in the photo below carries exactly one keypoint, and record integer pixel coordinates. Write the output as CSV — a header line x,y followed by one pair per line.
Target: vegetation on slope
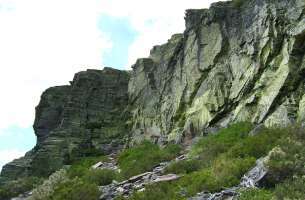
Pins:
x,y
216,161
219,161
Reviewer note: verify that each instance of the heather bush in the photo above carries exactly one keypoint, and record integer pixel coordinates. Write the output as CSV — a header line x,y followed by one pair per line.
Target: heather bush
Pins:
x,y
75,189
22,185
44,191
144,157
255,194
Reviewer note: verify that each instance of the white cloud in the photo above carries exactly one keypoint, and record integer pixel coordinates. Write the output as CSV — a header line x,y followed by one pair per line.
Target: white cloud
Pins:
x,y
9,155
155,20
42,44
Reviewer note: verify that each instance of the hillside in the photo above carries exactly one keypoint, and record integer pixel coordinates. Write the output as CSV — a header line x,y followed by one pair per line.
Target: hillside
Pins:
x,y
225,94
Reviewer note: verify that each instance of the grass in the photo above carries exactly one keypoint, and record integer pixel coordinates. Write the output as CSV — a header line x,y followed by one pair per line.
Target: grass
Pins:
x,y
76,189
22,185
255,194
219,161
144,157
238,3
216,161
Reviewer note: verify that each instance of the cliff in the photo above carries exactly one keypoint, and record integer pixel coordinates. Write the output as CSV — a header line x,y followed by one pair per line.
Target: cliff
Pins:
x,y
234,62
83,119
237,61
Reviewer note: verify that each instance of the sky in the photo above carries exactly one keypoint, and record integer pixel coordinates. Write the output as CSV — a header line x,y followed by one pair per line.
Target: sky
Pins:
x,y
43,43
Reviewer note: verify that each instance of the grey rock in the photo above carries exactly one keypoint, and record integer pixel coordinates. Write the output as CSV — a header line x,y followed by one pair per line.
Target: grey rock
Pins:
x,y
74,121
231,64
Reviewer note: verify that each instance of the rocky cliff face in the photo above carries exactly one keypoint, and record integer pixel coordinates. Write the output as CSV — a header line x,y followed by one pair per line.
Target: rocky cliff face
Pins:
x,y
237,61
73,121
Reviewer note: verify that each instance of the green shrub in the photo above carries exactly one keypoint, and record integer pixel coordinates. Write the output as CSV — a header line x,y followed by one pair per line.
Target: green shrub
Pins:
x,y
238,3
259,145
161,191
22,185
44,191
287,160
255,194
228,171
81,167
144,157
291,189
100,176
184,167
208,148
76,189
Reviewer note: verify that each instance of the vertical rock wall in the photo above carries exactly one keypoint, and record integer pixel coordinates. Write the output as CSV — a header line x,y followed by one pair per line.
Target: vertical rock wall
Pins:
x,y
232,63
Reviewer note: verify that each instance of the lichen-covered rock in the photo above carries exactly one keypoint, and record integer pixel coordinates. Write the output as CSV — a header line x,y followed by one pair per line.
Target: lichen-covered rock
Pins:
x,y
234,62
82,119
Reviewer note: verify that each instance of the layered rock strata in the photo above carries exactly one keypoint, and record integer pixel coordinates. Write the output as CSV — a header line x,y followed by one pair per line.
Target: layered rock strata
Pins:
x,y
85,118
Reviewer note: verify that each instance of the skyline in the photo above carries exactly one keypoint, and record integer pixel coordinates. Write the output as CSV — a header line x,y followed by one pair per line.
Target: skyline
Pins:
x,y
44,43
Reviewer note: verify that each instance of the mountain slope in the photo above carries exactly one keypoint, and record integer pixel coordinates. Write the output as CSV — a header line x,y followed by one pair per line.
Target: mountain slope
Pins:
x,y
237,61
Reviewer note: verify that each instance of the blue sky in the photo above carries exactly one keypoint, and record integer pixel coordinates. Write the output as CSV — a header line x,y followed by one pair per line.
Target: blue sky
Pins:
x,y
21,139
45,42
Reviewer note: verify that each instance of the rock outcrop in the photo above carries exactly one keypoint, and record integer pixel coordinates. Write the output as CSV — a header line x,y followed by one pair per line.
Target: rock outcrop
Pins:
x,y
237,61
73,121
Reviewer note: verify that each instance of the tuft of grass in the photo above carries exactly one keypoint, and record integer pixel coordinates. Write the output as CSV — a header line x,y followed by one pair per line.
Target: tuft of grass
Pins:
x,y
183,167
219,161
256,194
76,189
288,158
144,157
208,148
80,168
291,189
100,176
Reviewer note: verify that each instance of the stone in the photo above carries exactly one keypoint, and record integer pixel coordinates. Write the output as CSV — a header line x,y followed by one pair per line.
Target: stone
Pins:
x,y
74,121
165,178
231,64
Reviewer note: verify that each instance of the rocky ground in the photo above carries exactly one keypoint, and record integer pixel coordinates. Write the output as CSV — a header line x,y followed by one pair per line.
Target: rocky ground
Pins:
x,y
137,183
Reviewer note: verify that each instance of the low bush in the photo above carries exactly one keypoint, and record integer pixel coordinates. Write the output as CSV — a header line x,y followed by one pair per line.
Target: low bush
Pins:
x,y
46,190
208,148
255,194
76,189
144,157
291,189
184,167
100,176
162,191
22,185
287,160
81,167
258,145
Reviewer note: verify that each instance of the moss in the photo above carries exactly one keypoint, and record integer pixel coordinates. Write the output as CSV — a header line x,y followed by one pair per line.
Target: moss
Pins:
x,y
238,3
